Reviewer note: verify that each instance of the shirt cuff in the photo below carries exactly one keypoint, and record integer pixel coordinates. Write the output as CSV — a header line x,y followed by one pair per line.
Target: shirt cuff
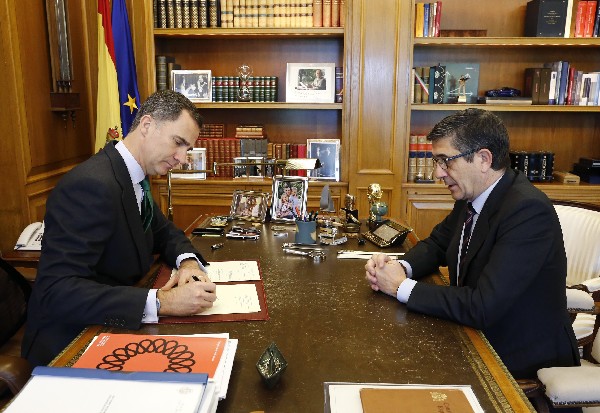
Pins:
x,y
404,290
185,257
150,315
407,268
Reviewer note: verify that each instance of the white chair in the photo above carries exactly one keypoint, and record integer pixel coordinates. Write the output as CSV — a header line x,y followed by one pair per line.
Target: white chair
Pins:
x,y
580,225
575,386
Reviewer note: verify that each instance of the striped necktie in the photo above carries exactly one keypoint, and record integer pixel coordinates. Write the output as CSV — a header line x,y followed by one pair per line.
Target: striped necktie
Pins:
x,y
147,204
466,238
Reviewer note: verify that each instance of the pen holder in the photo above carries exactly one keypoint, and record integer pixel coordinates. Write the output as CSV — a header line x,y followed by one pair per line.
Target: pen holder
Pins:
x,y
306,232
271,365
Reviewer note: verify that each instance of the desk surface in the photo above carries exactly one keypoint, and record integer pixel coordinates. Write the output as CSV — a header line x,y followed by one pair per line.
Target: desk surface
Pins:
x,y
330,326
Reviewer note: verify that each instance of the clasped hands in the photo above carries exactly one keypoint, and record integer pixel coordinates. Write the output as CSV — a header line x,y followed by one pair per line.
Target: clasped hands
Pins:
x,y
384,274
191,296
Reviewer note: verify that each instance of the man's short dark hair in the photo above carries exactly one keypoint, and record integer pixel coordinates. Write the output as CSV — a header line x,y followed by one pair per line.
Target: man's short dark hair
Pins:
x,y
167,105
473,129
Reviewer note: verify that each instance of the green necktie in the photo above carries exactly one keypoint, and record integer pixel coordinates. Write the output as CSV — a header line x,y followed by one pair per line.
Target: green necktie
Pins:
x,y
147,204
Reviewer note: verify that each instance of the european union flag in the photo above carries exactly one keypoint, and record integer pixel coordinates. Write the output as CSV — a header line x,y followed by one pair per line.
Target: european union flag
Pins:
x,y
129,96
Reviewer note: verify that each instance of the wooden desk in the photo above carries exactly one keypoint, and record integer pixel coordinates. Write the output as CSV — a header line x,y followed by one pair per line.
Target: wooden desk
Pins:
x,y
330,326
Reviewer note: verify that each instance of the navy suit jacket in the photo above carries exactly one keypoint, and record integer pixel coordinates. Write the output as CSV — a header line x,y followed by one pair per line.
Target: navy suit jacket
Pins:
x,y
94,251
515,277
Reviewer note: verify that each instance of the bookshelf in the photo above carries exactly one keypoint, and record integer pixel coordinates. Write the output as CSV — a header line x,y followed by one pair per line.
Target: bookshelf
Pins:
x,y
568,131
222,50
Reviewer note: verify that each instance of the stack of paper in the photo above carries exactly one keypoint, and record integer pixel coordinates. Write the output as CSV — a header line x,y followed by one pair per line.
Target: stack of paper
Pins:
x,y
211,354
66,390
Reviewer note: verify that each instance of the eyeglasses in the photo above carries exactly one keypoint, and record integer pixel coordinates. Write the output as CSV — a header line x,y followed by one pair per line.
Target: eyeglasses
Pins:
x,y
443,162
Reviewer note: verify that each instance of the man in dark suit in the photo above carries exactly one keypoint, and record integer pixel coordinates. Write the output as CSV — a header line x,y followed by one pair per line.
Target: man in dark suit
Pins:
x,y
511,280
96,246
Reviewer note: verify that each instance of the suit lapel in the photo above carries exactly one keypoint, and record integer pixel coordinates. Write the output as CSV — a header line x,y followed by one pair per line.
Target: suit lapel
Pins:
x,y
482,226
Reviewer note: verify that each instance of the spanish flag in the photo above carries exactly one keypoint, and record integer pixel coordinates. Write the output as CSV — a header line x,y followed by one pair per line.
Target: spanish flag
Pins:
x,y
108,119
129,96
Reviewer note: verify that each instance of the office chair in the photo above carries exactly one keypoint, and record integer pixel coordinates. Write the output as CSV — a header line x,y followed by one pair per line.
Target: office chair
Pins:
x,y
14,295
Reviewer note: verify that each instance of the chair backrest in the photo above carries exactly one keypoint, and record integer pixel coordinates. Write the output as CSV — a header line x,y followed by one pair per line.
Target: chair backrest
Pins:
x,y
581,233
14,295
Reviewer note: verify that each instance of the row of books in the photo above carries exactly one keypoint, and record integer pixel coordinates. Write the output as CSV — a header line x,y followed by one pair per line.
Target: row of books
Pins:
x,y
587,19
259,88
226,150
446,83
538,166
559,83
551,18
420,159
183,14
427,19
164,67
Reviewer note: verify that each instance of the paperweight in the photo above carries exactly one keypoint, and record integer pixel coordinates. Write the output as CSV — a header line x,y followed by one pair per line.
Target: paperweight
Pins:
x,y
271,365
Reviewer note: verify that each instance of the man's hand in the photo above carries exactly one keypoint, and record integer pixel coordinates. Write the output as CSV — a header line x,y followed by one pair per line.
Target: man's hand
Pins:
x,y
187,299
188,268
384,274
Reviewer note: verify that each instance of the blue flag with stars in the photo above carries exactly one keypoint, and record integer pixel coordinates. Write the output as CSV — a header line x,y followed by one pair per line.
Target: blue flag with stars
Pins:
x,y
129,96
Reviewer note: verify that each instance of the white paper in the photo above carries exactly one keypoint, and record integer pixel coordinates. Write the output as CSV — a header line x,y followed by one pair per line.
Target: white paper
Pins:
x,y
227,271
234,299
345,397
366,255
75,395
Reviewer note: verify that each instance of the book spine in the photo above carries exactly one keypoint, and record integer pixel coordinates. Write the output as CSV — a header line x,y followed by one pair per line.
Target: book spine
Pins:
x,y
203,12
335,13
564,77
570,97
425,19
569,17
178,14
596,30
544,97
419,19
186,13
212,12
262,13
170,14
588,29
580,18
317,13
162,11
342,13
161,72
326,13
339,84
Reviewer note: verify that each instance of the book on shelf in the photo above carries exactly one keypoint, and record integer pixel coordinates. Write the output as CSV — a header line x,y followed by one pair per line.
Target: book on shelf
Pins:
x,y
546,18
461,82
427,19
532,84
566,177
517,100
67,390
596,29
339,84
580,18
437,75
163,66
590,16
327,13
317,13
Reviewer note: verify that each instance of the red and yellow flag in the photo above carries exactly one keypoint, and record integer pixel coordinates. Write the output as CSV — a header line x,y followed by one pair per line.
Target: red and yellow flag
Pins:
x,y
108,118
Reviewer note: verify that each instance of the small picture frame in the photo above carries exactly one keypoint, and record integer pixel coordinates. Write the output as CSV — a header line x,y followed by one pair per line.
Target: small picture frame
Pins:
x,y
327,151
196,85
310,83
289,198
249,205
195,161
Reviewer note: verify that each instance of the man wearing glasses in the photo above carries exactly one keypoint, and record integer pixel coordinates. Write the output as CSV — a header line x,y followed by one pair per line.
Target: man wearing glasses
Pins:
x,y
502,244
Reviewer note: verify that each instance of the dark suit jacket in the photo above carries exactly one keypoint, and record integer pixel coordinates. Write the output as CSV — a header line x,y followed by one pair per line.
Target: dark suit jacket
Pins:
x,y
93,252
515,277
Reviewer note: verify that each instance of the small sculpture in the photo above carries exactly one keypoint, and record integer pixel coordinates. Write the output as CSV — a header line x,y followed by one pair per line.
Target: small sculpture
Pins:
x,y
379,209
374,194
244,73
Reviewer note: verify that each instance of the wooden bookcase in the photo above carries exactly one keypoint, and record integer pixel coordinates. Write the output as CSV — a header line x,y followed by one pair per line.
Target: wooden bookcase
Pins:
x,y
570,132
267,51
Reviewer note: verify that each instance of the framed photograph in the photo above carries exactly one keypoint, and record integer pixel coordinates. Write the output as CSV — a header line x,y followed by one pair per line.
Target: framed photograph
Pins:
x,y
196,85
310,83
195,161
249,205
289,198
328,152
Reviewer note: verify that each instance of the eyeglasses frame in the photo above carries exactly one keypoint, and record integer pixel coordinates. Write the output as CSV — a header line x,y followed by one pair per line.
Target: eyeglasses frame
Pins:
x,y
443,162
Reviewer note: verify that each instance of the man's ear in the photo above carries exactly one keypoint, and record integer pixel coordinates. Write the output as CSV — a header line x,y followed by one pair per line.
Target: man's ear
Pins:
x,y
486,158
145,124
